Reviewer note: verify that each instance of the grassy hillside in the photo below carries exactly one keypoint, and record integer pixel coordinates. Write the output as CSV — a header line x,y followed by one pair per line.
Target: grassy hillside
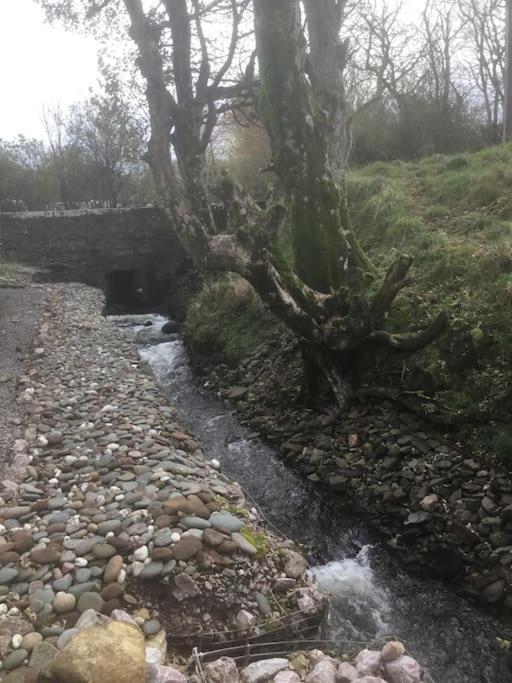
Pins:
x,y
454,215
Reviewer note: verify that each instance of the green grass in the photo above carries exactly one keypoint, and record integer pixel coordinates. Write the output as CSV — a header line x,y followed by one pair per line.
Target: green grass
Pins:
x,y
227,319
454,215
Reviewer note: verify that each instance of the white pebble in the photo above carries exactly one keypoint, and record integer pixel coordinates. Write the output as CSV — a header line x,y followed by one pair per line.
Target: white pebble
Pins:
x,y
215,464
119,497
16,641
175,537
3,608
137,568
13,612
81,562
141,553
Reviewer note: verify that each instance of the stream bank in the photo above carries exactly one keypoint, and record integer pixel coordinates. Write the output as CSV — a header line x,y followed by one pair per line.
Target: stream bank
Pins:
x,y
371,595
116,507
446,513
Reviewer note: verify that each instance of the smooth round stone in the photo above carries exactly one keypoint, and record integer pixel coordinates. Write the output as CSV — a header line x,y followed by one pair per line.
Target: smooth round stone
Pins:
x,y
80,588
163,537
7,575
141,554
111,591
152,627
109,525
63,584
64,602
30,640
112,569
186,548
137,529
244,545
195,523
15,659
152,570
82,575
51,631
85,546
104,551
65,637
46,595
90,601
68,556
19,588
196,533
220,520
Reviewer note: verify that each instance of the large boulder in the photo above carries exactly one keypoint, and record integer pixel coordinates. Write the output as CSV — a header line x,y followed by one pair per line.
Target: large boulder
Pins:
x,y
113,652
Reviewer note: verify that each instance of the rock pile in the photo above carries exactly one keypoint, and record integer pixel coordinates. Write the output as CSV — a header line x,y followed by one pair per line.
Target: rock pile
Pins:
x,y
447,513
116,506
115,649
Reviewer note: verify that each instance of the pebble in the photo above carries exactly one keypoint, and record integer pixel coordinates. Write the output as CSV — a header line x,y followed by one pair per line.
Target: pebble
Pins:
x,y
15,659
225,521
64,602
90,600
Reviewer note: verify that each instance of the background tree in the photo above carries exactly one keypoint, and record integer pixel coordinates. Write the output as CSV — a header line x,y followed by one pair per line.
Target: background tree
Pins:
x,y
507,125
111,138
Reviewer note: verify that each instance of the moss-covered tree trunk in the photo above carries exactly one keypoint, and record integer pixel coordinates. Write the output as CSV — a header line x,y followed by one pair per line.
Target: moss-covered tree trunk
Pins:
x,y
323,298
324,246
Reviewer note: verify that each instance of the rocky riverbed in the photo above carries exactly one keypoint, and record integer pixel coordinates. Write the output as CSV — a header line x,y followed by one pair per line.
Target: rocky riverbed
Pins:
x,y
111,504
445,512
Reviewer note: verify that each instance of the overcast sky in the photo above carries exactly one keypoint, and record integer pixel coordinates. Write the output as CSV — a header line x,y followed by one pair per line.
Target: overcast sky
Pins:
x,y
42,64
39,64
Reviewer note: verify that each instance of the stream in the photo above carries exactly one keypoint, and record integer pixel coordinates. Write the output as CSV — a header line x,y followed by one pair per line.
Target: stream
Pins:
x,y
371,595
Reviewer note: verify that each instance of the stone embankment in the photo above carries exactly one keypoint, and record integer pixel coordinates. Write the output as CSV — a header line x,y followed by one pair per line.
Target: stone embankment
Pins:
x,y
446,512
109,504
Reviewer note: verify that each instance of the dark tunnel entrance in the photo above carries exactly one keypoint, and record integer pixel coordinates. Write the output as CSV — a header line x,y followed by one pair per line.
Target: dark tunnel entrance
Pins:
x,y
123,290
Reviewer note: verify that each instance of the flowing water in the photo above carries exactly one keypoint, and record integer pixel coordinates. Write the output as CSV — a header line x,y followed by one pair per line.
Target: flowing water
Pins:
x,y
371,596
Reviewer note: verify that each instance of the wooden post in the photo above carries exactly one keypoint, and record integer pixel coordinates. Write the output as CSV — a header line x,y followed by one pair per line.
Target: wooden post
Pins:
x,y
507,106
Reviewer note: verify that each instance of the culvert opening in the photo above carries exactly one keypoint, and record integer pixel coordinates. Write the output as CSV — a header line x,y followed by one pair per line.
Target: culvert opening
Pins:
x,y
124,292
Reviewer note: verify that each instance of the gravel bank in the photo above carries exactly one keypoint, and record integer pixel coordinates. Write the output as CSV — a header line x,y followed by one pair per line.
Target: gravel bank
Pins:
x,y
119,509
20,313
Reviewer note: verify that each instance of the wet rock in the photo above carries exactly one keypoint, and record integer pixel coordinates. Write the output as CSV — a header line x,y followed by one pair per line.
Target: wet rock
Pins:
x,y
244,545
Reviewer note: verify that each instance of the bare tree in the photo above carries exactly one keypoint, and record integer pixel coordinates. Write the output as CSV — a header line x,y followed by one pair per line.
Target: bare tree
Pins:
x,y
326,297
54,122
484,31
507,113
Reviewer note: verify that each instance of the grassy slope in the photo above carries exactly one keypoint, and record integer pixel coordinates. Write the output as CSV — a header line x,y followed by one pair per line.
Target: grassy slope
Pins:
x,y
454,215
227,319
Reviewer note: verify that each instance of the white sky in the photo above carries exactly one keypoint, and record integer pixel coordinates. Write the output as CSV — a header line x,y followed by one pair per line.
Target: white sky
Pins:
x,y
39,64
43,64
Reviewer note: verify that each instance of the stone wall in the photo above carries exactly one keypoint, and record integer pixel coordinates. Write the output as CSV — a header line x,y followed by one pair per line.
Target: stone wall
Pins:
x,y
120,251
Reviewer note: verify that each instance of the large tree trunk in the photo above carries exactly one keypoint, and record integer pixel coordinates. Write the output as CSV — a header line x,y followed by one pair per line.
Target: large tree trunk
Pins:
x,y
326,251
323,297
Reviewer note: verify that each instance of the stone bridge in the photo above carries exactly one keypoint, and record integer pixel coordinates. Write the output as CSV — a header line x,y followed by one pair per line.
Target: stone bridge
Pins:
x,y
132,254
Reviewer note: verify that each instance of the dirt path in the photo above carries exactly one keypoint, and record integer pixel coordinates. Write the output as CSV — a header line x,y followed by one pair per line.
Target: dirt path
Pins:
x,y
20,313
